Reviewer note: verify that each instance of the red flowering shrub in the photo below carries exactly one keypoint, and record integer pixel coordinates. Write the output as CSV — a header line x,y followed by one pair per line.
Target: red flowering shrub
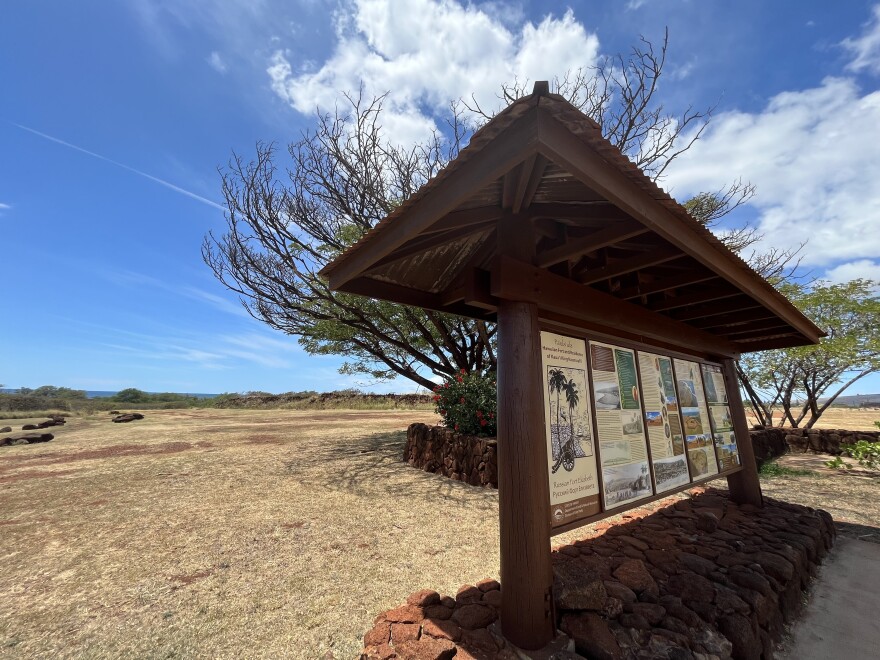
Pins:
x,y
467,403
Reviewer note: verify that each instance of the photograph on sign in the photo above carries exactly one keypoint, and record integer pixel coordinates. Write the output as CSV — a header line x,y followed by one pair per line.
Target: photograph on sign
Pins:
x,y
620,425
720,418
571,455
663,422
695,419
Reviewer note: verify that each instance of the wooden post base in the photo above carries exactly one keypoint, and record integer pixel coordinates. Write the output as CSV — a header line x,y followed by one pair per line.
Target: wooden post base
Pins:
x,y
745,487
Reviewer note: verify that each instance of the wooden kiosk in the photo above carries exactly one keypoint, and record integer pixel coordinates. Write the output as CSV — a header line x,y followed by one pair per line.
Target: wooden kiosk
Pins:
x,y
620,317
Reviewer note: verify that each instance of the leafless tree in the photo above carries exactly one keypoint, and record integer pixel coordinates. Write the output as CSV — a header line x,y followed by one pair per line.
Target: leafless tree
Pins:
x,y
343,177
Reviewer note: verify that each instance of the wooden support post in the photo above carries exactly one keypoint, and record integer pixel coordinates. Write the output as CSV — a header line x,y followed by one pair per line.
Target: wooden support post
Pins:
x,y
745,487
523,485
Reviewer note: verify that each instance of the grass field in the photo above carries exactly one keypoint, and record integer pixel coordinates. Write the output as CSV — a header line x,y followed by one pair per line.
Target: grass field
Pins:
x,y
238,533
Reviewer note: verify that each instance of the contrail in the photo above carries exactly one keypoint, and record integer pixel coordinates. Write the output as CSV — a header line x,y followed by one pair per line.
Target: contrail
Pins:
x,y
161,182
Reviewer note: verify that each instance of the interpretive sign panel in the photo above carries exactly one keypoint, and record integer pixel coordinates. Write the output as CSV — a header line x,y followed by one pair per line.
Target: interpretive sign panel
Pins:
x,y
620,426
574,484
695,419
719,415
663,422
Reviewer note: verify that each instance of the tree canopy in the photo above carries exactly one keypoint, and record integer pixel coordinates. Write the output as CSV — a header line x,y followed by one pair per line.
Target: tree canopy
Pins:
x,y
795,380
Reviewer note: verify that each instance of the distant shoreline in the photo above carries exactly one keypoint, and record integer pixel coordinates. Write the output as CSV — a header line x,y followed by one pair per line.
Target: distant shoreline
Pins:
x,y
105,394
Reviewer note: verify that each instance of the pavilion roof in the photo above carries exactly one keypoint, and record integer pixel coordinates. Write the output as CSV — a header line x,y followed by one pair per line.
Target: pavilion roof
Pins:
x,y
540,205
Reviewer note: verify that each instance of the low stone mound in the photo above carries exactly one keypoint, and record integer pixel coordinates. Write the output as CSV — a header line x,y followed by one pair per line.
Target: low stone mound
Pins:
x,y
29,427
460,457
697,578
26,439
127,417
6,429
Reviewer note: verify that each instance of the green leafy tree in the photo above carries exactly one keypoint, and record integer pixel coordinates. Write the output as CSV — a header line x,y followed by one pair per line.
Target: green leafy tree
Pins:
x,y
51,391
802,382
131,395
284,223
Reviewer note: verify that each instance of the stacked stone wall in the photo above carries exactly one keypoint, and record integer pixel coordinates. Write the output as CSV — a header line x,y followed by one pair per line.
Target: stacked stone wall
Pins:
x,y
467,458
474,460
694,578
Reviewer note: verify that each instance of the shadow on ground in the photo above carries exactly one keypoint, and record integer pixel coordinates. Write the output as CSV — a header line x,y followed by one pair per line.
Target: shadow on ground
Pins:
x,y
375,463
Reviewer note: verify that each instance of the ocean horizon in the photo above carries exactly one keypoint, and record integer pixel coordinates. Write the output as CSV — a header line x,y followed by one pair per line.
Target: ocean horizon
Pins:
x,y
105,394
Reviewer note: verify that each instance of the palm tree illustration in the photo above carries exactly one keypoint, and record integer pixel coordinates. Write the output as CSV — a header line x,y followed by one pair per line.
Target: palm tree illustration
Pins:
x,y
572,398
557,383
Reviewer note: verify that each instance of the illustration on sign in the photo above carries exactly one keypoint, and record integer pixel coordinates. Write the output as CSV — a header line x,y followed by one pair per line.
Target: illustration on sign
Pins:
x,y
695,419
621,427
663,422
719,416
574,483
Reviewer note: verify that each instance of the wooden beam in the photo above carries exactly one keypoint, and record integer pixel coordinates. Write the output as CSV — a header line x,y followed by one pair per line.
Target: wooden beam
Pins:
x,y
559,144
526,190
515,280
771,324
365,286
768,333
624,266
510,183
751,345
577,211
734,319
579,246
665,284
485,166
716,309
701,296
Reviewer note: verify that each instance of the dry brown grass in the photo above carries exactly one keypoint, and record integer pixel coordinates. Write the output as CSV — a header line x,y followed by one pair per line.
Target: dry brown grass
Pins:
x,y
233,533
853,419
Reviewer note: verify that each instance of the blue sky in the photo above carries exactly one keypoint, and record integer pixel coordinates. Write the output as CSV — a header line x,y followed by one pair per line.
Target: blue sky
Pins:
x,y
115,116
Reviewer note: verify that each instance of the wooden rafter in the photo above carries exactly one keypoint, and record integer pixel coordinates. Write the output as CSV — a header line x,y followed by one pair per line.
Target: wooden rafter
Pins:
x,y
778,330
624,266
733,319
579,246
730,306
704,295
529,180
665,284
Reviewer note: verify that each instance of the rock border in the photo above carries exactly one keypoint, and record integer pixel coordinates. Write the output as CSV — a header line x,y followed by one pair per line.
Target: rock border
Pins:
x,y
694,579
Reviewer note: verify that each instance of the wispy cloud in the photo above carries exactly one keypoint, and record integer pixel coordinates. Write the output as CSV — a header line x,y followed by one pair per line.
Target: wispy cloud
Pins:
x,y
865,49
5,207
217,63
161,182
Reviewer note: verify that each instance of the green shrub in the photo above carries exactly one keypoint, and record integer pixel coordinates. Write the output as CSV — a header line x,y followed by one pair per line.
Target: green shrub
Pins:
x,y
467,403
865,452
774,469
837,463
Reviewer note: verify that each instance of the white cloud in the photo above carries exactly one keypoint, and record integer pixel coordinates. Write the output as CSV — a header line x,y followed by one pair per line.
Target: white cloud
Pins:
x,y
217,63
865,269
426,54
865,49
813,156
5,207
